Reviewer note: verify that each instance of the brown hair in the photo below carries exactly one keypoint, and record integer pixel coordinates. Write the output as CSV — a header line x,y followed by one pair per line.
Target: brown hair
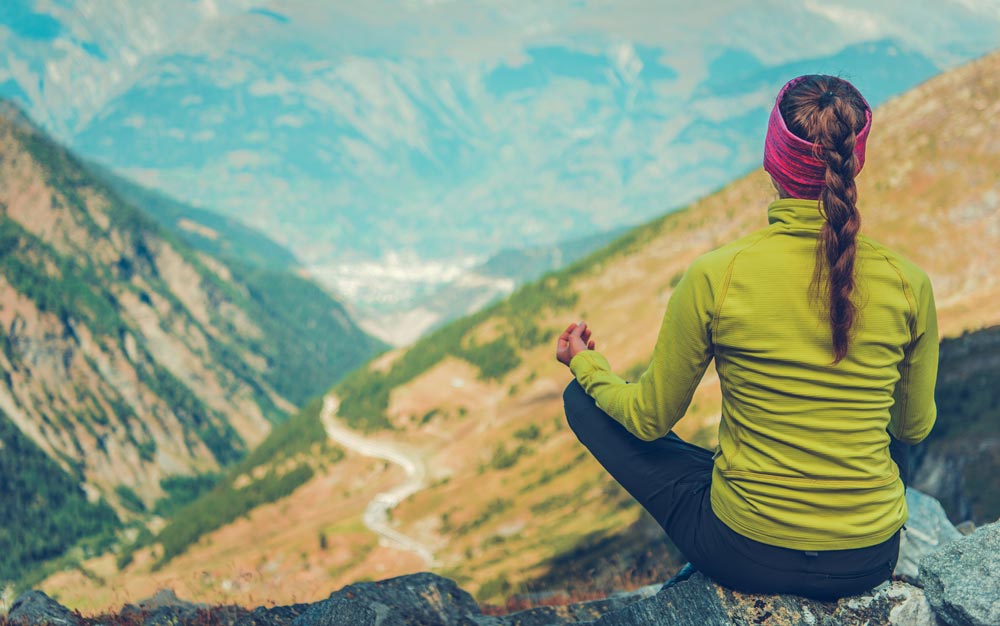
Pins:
x,y
830,112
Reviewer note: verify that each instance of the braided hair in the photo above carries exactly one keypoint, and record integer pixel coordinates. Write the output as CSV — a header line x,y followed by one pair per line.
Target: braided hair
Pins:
x,y
830,112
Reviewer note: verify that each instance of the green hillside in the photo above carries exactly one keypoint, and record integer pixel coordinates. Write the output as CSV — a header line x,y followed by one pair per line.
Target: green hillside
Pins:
x,y
288,306
283,462
131,360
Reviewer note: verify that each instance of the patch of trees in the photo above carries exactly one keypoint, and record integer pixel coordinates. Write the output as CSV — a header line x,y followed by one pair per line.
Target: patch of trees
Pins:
x,y
43,510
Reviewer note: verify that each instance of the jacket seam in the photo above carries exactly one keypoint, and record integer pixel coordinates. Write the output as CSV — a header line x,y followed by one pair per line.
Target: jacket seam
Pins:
x,y
720,367
728,279
904,374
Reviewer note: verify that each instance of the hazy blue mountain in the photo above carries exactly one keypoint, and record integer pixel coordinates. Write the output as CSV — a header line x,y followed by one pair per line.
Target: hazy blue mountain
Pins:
x,y
428,135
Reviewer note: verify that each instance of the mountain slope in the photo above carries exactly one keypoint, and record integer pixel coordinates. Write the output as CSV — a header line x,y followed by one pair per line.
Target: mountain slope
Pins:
x,y
127,356
510,490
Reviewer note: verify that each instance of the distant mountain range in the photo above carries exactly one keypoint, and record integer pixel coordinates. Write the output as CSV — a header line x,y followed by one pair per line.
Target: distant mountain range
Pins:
x,y
418,138
511,495
130,357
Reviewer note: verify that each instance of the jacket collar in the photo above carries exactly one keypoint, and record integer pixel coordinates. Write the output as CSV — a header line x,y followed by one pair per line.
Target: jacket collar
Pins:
x,y
796,213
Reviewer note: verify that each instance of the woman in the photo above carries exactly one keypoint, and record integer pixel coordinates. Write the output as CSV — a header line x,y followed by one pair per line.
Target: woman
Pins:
x,y
825,343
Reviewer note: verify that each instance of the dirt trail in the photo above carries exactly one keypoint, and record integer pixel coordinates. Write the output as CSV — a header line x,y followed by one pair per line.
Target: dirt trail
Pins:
x,y
376,515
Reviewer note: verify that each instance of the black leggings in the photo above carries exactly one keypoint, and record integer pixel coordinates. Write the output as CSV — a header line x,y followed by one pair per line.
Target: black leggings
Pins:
x,y
672,480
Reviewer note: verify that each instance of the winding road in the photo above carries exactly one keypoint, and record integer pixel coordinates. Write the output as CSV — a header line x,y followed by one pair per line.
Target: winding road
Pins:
x,y
376,515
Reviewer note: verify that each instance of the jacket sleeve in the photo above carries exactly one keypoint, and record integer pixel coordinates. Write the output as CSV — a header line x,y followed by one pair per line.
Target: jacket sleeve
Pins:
x,y
650,407
913,412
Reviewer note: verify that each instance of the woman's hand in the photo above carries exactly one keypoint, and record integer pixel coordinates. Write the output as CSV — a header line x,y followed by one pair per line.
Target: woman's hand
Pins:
x,y
574,340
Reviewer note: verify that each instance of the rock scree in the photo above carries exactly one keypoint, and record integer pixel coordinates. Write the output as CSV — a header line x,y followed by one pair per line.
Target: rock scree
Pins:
x,y
962,579
957,584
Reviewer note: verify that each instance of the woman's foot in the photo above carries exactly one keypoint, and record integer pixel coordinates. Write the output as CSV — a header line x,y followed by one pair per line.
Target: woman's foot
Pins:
x,y
686,572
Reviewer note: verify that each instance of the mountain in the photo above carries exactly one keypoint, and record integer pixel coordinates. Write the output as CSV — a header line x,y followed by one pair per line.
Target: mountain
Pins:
x,y
130,358
510,496
436,133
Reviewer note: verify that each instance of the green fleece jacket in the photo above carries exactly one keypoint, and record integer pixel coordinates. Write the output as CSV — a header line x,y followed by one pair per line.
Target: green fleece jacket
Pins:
x,y
803,459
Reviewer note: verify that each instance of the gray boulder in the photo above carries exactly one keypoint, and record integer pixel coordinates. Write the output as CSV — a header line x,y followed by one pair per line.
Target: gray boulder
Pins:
x,y
273,616
420,599
35,607
342,611
700,602
694,602
895,604
962,580
927,530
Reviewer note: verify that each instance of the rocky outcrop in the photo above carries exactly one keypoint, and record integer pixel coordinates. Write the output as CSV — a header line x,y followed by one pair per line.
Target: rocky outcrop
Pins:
x,y
570,613
430,600
165,609
953,581
35,607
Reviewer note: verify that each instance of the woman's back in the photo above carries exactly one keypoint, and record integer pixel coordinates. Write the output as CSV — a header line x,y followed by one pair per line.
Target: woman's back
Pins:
x,y
803,441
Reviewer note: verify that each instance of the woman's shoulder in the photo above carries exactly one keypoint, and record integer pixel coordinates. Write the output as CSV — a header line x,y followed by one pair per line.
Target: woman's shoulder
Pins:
x,y
720,258
908,269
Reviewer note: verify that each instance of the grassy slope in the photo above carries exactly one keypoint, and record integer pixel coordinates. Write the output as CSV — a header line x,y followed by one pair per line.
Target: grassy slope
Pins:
x,y
503,506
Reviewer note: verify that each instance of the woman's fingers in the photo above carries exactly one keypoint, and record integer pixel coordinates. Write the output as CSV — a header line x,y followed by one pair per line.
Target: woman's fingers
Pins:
x,y
566,333
573,340
564,350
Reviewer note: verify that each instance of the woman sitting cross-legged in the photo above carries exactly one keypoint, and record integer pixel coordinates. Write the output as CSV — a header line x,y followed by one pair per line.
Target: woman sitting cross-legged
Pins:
x,y
826,347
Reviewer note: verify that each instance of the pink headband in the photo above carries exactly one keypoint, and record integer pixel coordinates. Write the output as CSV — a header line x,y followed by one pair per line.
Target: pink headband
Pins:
x,y
792,161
